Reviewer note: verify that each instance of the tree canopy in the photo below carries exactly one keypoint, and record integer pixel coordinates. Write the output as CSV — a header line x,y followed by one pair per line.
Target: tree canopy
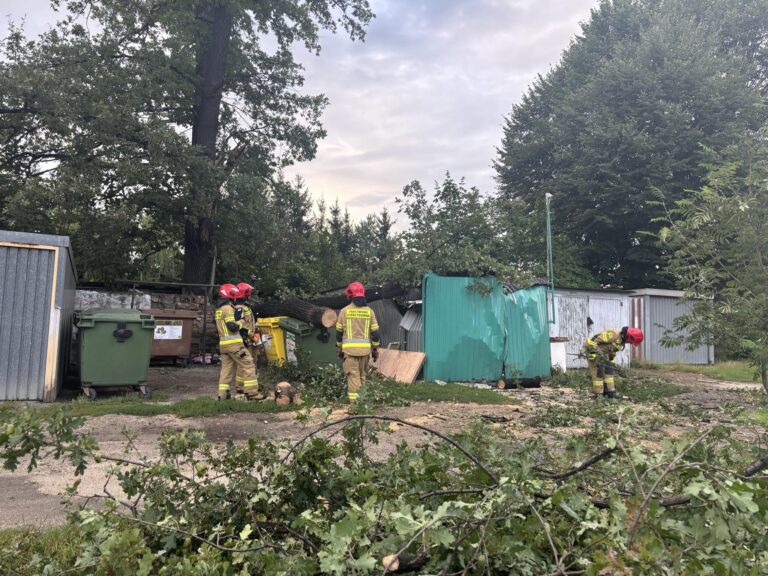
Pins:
x,y
631,107
718,242
129,111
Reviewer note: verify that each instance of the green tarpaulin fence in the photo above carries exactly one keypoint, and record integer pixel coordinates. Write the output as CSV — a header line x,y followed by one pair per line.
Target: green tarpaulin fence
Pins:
x,y
472,334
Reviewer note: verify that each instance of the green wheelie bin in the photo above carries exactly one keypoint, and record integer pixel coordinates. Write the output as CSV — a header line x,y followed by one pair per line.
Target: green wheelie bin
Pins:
x,y
319,345
115,345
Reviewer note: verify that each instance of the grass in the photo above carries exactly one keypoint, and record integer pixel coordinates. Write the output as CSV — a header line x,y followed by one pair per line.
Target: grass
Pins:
x,y
21,547
458,393
192,408
736,370
629,385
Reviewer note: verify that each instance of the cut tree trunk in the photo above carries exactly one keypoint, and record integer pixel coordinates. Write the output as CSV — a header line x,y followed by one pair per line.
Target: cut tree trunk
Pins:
x,y
317,316
385,291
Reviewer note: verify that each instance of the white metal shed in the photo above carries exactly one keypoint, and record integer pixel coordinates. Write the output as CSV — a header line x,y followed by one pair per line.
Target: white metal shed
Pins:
x,y
580,314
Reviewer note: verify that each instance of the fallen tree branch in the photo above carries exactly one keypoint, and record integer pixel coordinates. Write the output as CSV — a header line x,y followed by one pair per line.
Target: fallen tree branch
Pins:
x,y
450,441
581,467
756,467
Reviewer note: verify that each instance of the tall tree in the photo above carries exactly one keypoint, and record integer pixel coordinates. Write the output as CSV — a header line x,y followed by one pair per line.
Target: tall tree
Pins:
x,y
627,110
718,240
169,96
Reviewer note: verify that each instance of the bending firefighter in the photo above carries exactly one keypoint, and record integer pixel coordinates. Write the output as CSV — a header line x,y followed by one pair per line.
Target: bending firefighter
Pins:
x,y
601,351
357,335
236,362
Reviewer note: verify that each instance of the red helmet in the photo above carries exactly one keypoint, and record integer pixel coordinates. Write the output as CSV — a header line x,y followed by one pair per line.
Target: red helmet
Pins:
x,y
246,290
634,335
229,291
354,290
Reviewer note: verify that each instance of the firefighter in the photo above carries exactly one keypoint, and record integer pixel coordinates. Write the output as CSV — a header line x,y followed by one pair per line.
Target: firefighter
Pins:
x,y
601,351
244,315
236,362
357,338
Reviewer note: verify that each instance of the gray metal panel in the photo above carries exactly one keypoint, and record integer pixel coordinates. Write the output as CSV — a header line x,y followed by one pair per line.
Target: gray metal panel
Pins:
x,y
660,315
412,330
389,317
25,300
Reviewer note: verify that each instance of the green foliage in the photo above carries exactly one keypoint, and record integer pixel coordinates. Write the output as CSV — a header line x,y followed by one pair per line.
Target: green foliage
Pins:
x,y
718,241
734,370
27,551
130,118
597,503
450,232
627,109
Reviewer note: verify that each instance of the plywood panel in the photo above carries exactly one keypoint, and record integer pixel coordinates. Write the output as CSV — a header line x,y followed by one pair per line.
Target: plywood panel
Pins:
x,y
399,365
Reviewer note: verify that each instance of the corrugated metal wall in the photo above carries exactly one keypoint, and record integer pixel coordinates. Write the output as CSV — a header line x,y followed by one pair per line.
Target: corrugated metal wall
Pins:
x,y
469,335
527,351
658,313
25,302
389,318
412,331
573,310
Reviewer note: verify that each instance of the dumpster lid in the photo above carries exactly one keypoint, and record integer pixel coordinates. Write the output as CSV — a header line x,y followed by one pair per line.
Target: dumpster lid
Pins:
x,y
114,315
169,313
295,326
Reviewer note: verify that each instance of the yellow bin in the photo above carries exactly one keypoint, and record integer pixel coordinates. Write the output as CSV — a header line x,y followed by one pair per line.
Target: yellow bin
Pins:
x,y
273,338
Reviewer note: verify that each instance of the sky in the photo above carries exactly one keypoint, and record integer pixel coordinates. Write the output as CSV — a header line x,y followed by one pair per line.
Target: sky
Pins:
x,y
424,94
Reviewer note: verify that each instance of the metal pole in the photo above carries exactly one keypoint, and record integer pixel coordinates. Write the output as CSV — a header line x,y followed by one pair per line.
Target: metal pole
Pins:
x,y
550,266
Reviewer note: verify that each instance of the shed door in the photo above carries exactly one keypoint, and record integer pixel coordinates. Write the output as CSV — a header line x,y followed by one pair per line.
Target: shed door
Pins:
x,y
572,323
609,313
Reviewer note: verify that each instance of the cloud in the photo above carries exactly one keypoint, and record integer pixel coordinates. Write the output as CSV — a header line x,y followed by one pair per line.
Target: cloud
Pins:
x,y
428,91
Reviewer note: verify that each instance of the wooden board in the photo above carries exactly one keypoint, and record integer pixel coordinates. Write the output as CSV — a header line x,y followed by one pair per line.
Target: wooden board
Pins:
x,y
399,365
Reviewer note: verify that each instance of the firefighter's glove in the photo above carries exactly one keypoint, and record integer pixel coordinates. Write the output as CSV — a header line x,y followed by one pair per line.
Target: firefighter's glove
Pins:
x,y
375,354
592,357
340,353
238,314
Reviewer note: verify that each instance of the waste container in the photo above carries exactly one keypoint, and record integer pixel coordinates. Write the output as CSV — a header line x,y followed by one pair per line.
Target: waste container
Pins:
x,y
272,339
115,345
172,337
318,344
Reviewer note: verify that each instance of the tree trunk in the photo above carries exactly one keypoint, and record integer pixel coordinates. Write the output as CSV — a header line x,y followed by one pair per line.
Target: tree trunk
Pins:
x,y
198,251
317,316
386,291
210,69
764,377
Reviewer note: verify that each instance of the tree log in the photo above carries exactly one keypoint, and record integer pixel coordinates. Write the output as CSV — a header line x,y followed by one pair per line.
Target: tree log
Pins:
x,y
385,291
317,316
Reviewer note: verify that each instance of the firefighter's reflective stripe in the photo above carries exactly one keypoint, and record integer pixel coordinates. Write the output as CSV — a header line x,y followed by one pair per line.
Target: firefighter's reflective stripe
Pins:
x,y
227,340
356,343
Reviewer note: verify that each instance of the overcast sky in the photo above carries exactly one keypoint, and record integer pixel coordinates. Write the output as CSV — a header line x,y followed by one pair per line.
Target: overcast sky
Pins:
x,y
424,94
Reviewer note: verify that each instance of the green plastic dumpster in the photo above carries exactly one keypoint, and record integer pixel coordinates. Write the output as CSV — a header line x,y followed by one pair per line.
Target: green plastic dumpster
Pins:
x,y
319,345
115,345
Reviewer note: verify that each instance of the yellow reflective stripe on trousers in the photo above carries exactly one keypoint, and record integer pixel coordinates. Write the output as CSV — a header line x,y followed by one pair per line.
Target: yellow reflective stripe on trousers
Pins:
x,y
225,341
